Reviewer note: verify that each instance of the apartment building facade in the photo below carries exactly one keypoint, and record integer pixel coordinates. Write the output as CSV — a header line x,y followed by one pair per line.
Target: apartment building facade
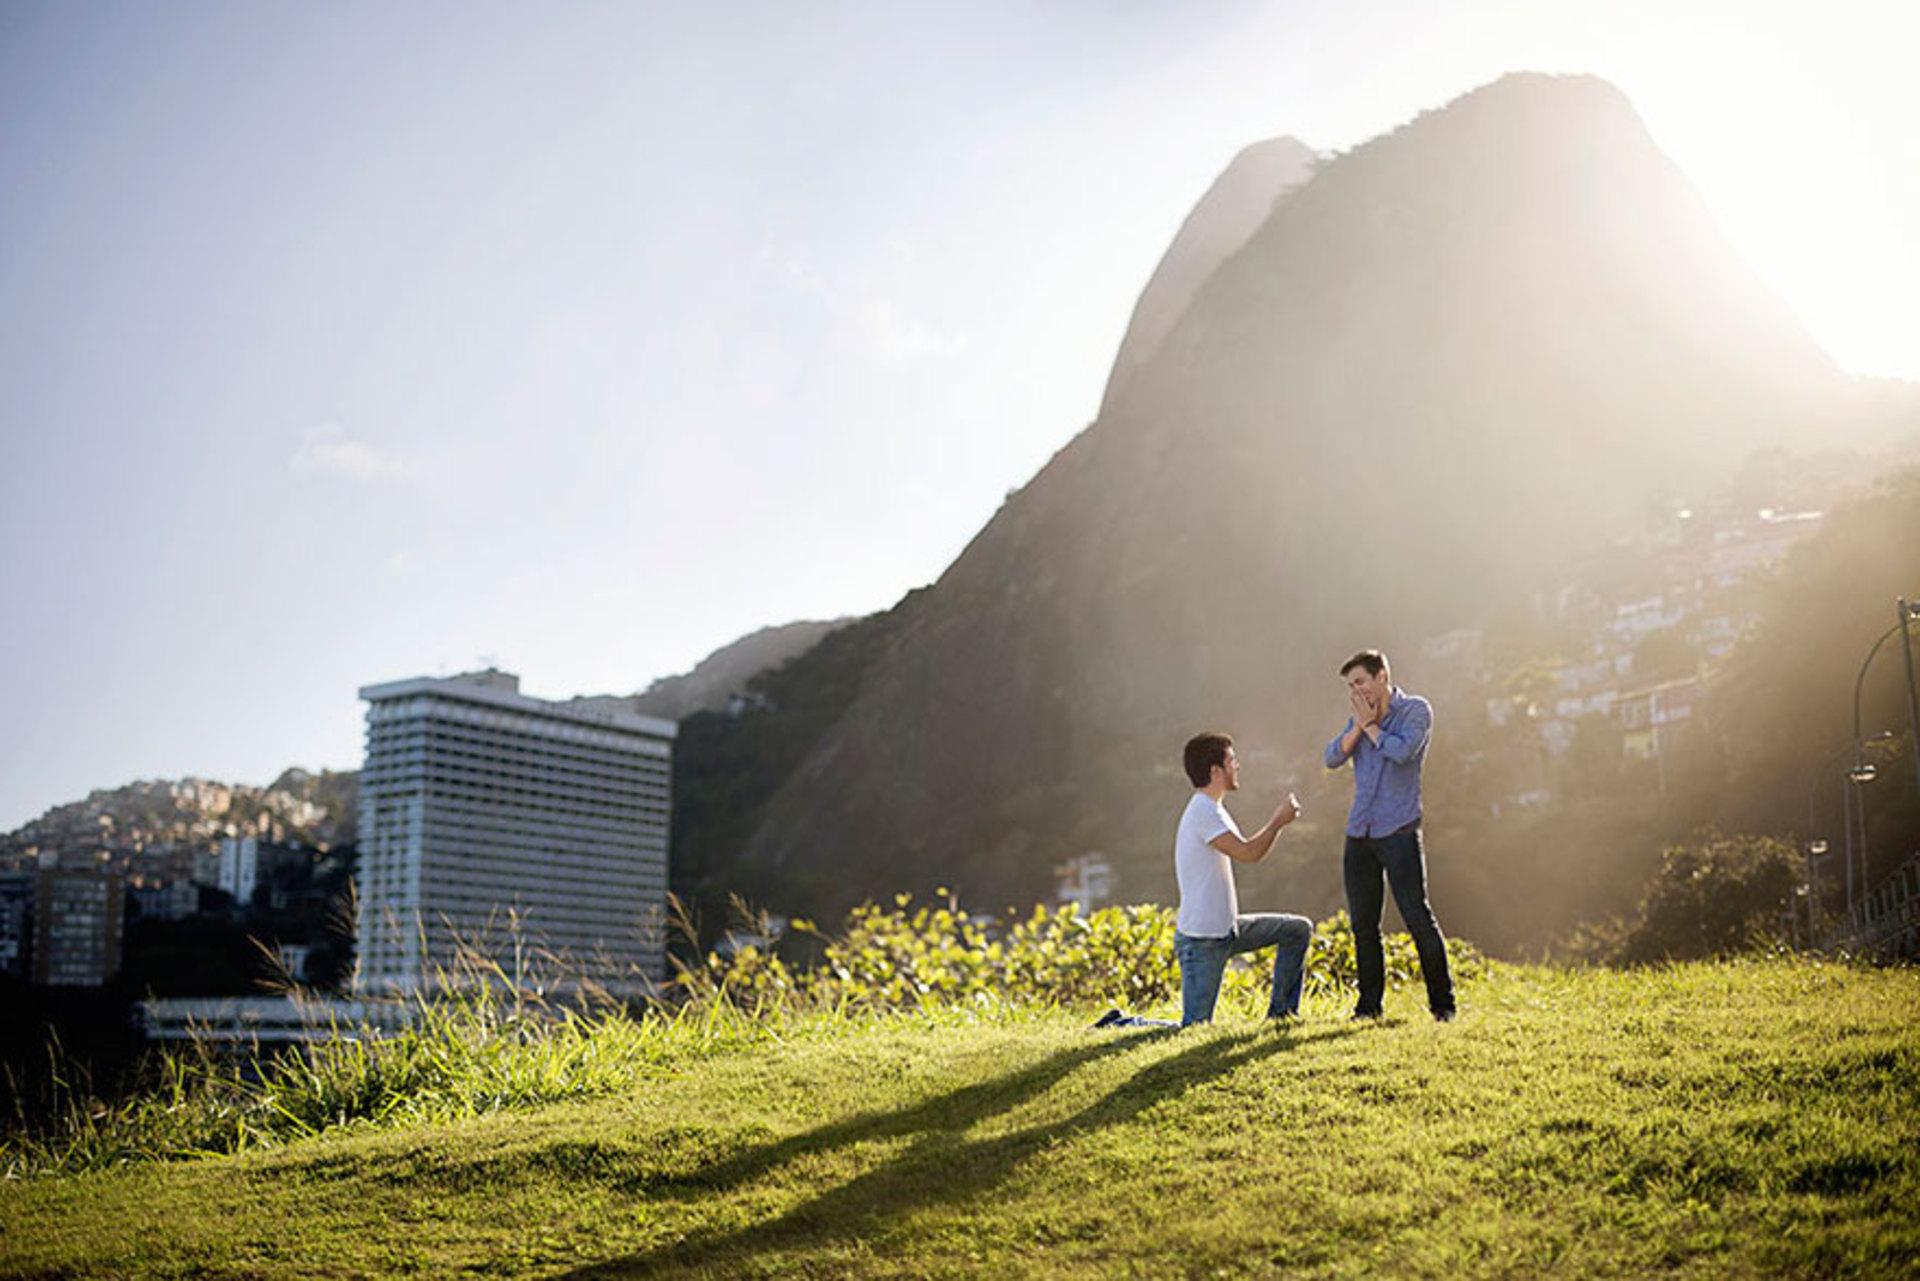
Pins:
x,y
529,832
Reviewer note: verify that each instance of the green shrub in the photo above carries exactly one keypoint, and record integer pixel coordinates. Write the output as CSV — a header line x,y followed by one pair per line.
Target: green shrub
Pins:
x,y
906,957
1719,896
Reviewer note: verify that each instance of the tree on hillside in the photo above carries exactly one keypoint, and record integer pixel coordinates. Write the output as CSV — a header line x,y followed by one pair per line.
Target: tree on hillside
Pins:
x,y
1715,897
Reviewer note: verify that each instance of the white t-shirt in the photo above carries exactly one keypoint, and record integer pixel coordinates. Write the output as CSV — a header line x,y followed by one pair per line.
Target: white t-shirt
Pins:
x,y
1208,904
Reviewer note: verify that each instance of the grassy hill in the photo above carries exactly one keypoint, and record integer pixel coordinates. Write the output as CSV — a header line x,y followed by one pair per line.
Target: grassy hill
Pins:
x,y
1714,1120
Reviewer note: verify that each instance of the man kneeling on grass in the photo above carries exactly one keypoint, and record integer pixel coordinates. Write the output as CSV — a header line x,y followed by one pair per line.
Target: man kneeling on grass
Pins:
x,y
1210,928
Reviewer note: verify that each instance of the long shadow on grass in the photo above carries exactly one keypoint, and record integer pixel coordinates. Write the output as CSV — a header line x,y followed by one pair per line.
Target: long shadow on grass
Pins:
x,y
942,1166
948,1113
668,1169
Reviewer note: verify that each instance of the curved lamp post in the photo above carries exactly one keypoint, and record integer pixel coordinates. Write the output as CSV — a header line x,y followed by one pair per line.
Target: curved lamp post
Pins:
x,y
1909,611
1862,771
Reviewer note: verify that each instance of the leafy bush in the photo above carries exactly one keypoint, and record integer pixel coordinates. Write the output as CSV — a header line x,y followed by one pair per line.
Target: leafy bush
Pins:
x,y
905,957
1718,896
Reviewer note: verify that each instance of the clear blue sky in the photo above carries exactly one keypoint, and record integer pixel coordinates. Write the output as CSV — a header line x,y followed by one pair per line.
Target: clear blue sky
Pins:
x,y
347,342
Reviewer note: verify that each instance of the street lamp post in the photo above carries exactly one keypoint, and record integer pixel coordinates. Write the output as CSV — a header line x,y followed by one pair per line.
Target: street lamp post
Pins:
x,y
1815,848
1858,775
1862,771
1908,612
1849,806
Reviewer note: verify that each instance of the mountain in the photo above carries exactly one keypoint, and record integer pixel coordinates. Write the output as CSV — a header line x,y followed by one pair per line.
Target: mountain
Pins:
x,y
725,672
1455,357
729,765
1235,206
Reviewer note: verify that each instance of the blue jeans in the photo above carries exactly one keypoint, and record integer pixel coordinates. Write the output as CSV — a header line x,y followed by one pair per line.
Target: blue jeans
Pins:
x,y
1204,960
1403,859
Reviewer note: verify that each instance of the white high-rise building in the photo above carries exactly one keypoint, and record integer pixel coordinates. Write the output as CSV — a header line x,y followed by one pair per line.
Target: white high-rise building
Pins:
x,y
240,868
513,826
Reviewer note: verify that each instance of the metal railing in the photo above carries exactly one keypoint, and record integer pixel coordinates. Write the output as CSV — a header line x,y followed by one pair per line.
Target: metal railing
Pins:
x,y
1885,923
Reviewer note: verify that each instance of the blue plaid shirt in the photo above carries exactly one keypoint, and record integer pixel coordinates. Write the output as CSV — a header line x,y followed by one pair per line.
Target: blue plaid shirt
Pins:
x,y
1386,776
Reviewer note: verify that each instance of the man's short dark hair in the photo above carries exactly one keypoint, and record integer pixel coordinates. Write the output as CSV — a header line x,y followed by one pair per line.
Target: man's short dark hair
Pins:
x,y
1204,751
1372,659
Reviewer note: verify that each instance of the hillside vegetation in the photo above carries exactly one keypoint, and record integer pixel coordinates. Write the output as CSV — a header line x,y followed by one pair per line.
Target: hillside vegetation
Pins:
x,y
1713,1120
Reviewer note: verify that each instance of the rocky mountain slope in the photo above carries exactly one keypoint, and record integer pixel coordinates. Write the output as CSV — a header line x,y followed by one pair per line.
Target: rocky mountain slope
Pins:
x,y
726,672
1456,356
1233,209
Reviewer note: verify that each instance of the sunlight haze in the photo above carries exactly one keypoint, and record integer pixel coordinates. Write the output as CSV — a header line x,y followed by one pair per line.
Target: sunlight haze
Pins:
x,y
342,344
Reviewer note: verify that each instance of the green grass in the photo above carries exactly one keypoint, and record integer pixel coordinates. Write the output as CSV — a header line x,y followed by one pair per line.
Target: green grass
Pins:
x,y
461,1057
1741,1119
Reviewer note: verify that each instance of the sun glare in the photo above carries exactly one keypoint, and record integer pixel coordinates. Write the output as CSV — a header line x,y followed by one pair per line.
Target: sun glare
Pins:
x,y
1803,150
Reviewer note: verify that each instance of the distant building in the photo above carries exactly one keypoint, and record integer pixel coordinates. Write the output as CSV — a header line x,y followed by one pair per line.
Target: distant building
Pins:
x,y
1634,621
249,864
77,928
1572,678
1649,717
1597,702
1717,634
742,702
266,1020
1761,543
206,867
171,901
239,868
16,924
479,803
1087,880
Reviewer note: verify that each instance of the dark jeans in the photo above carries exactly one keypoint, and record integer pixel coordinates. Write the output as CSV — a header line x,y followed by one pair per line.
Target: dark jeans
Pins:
x,y
1403,860
1203,963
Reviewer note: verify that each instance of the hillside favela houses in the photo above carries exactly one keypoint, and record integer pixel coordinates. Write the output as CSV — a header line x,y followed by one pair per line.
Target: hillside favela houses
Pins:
x,y
1651,642
528,832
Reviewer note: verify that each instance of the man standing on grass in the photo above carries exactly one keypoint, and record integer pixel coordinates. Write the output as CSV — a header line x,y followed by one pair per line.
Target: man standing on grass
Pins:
x,y
1210,927
1386,739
